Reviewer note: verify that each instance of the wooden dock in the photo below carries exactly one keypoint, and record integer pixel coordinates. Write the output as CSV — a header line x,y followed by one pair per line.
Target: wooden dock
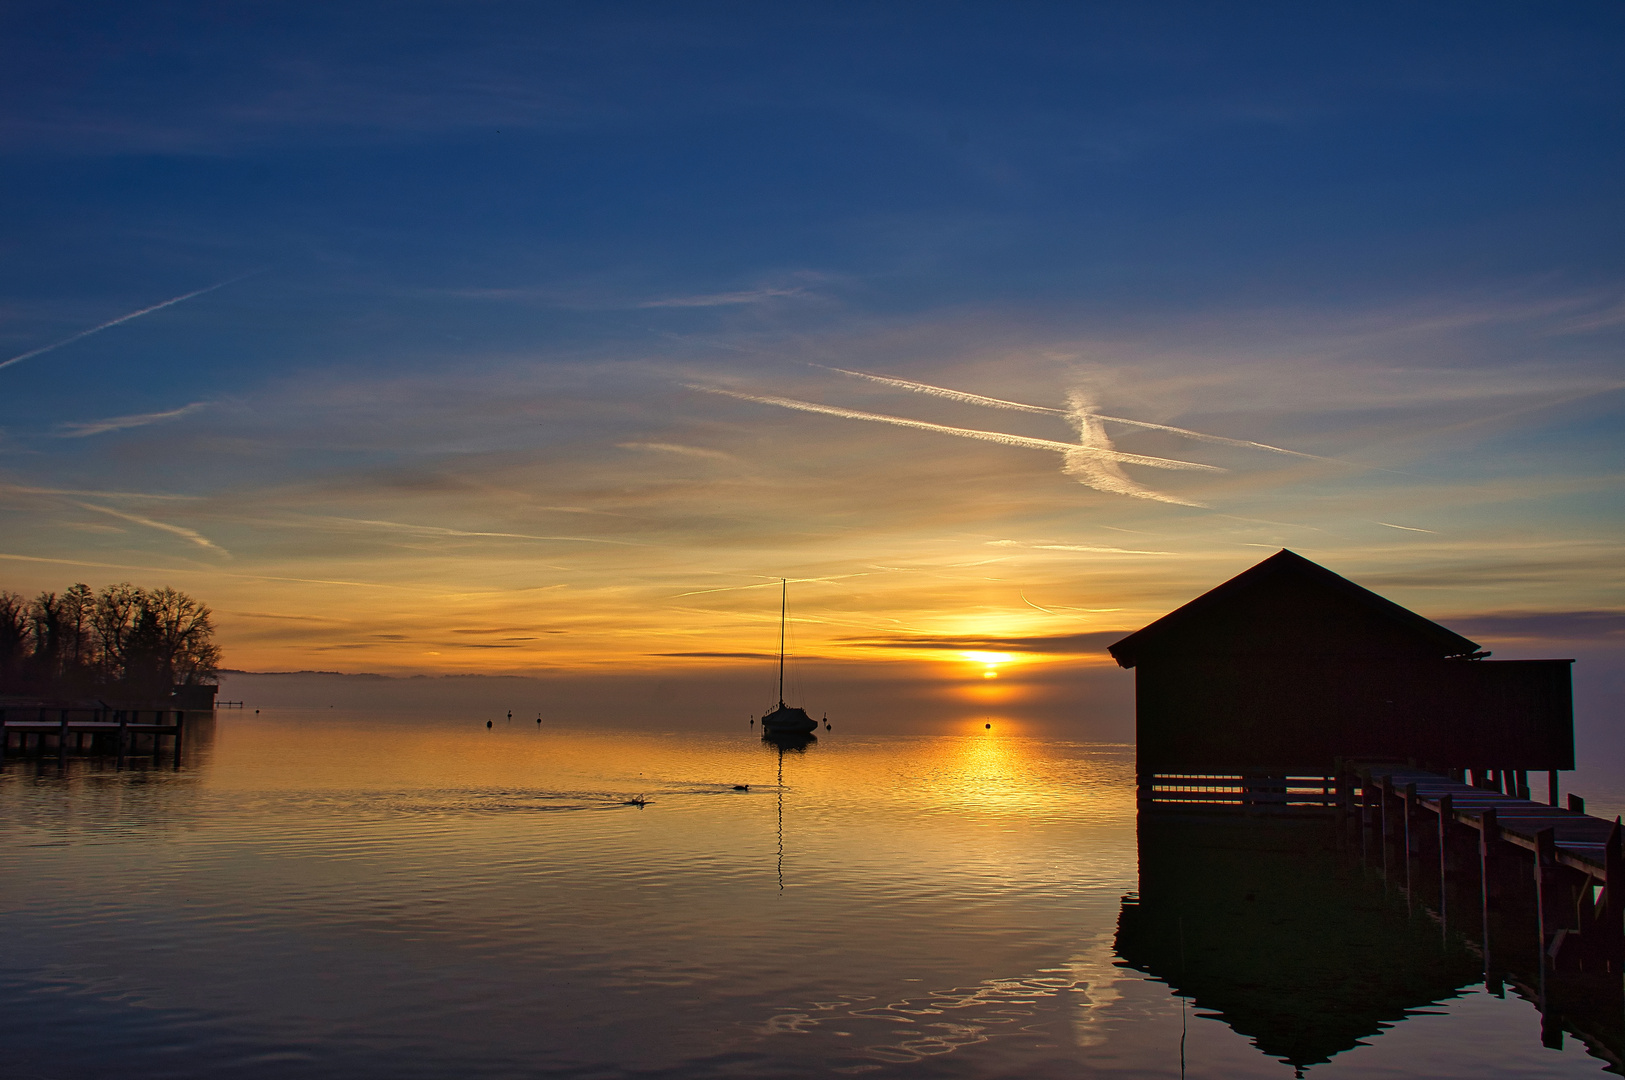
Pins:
x,y
1555,871
120,733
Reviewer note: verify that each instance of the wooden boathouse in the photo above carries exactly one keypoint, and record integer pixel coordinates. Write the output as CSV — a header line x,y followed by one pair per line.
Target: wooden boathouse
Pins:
x,y
1290,692
1253,693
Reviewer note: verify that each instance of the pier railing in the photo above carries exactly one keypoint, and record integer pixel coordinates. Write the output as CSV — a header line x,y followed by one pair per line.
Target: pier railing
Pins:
x,y
1257,792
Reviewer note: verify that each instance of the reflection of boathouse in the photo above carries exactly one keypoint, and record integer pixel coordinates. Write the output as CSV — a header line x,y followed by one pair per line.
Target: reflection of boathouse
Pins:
x,y
1287,667
1262,926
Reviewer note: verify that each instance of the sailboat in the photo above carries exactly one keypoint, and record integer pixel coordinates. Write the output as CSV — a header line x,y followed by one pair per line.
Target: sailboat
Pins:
x,y
786,719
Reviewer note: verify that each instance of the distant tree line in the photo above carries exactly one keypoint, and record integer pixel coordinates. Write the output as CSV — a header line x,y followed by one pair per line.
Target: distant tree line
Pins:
x,y
125,640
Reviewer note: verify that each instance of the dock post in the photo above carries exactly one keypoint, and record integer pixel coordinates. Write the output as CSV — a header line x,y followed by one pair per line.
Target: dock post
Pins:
x,y
1447,815
1410,849
1365,814
180,728
1522,781
1489,835
62,739
1382,805
1611,920
123,735
1577,805
1555,905
1551,786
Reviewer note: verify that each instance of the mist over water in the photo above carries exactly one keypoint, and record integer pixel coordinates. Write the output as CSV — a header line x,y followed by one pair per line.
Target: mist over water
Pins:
x,y
326,893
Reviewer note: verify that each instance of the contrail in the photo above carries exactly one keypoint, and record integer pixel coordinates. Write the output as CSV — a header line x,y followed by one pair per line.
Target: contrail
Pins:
x,y
437,530
121,319
1408,528
195,537
944,392
1016,406
1072,451
120,423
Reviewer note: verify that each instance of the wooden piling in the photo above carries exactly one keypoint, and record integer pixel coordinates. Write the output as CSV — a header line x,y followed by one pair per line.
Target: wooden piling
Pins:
x,y
1446,818
1577,805
1611,918
1410,849
1489,833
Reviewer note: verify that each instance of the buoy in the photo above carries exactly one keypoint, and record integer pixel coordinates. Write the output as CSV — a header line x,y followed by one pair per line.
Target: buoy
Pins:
x,y
488,725
988,726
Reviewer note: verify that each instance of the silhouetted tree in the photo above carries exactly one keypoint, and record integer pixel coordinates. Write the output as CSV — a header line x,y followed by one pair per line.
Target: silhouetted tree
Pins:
x,y
171,642
14,637
123,639
112,621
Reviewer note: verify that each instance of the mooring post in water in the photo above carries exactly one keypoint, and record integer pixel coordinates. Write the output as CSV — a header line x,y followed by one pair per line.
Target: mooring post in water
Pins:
x,y
180,731
1447,815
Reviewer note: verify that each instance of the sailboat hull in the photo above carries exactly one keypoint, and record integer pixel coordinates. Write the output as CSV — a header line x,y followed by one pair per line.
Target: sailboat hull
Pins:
x,y
788,720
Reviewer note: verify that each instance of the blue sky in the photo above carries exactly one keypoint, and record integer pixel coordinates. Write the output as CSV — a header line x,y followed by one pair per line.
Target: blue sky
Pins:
x,y
489,265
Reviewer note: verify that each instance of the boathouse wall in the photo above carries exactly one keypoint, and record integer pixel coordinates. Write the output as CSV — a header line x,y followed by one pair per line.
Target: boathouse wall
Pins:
x,y
1288,667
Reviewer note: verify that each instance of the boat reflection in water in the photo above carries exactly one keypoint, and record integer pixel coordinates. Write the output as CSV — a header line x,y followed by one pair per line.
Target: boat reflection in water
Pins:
x,y
792,743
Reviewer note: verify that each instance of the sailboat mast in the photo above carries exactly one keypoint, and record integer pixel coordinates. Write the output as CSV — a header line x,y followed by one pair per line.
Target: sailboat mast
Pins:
x,y
784,600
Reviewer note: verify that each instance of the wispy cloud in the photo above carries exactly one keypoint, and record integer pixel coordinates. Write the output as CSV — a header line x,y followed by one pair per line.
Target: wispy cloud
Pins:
x,y
436,530
1052,644
122,319
1086,548
20,490
675,448
176,530
120,423
775,582
726,299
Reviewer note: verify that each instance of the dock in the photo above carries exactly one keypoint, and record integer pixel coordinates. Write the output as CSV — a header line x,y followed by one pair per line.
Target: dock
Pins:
x,y
1571,865
120,733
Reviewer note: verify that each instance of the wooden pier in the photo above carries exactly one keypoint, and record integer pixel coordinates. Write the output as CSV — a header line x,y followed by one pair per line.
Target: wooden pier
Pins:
x,y
1572,864
107,731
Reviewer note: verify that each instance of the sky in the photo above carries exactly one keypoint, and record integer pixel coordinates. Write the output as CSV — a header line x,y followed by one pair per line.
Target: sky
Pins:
x,y
519,337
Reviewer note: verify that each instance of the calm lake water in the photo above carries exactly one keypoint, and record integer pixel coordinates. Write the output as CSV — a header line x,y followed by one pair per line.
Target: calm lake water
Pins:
x,y
329,895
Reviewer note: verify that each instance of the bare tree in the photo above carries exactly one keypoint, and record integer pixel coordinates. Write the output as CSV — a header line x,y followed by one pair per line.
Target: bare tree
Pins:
x,y
45,613
145,641
78,647
14,637
112,621
172,641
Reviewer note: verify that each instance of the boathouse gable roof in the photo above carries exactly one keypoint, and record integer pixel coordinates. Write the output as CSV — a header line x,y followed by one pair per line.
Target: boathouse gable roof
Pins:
x,y
1289,606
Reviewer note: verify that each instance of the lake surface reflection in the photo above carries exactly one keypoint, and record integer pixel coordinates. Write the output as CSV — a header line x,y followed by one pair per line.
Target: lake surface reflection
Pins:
x,y
317,895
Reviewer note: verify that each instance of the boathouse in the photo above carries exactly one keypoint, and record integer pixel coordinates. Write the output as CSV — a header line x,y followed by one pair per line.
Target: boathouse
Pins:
x,y
1287,669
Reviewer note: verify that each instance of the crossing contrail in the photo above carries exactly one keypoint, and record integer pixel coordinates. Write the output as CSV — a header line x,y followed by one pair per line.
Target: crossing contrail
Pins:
x,y
1071,450
121,319
1016,406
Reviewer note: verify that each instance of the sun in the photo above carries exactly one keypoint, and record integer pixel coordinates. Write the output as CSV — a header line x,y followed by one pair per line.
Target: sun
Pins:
x,y
990,661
